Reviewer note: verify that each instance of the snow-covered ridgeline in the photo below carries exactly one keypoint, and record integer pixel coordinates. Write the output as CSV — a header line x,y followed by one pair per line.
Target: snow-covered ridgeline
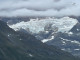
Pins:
x,y
38,25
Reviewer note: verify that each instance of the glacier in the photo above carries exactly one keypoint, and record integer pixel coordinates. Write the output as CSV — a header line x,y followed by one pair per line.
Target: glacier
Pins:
x,y
53,31
36,26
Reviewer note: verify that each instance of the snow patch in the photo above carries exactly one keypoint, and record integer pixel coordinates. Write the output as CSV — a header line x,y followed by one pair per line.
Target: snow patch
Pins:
x,y
63,49
20,39
70,33
77,42
74,41
46,40
76,49
77,29
30,55
9,35
63,42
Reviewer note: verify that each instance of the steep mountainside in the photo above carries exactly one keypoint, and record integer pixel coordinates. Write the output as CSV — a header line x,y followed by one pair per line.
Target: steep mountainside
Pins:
x,y
21,46
62,32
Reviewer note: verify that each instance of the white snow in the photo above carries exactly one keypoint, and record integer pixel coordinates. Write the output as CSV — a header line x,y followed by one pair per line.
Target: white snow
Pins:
x,y
76,49
63,49
67,40
37,25
77,42
77,29
63,42
47,31
20,39
70,33
69,50
9,35
46,40
30,55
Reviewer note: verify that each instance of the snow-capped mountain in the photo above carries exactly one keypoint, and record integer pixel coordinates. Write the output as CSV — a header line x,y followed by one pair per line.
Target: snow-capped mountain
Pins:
x,y
61,32
22,46
35,25
45,28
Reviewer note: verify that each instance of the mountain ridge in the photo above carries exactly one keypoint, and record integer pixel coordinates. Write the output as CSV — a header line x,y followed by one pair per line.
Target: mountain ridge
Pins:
x,y
19,46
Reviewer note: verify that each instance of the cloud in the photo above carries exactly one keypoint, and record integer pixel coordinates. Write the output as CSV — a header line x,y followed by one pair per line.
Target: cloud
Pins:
x,y
57,8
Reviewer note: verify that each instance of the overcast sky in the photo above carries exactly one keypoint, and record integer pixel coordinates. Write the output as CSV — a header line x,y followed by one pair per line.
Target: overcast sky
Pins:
x,y
56,8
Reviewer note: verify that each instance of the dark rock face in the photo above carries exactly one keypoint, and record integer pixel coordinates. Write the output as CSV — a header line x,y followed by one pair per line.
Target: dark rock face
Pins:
x,y
68,41
76,28
22,46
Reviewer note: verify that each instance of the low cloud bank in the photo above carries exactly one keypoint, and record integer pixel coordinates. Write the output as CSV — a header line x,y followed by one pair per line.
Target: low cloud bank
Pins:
x,y
57,8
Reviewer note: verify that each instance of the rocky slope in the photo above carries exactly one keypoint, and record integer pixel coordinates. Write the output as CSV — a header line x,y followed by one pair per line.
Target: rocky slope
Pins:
x,y
21,46
63,32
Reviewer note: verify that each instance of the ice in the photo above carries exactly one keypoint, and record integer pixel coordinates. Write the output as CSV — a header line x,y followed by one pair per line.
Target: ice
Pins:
x,y
37,25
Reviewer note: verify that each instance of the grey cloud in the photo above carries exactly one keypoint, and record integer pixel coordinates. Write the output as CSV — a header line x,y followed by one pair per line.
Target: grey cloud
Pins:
x,y
40,8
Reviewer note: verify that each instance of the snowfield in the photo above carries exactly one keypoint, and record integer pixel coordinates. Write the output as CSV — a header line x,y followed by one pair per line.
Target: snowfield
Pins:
x,y
37,25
